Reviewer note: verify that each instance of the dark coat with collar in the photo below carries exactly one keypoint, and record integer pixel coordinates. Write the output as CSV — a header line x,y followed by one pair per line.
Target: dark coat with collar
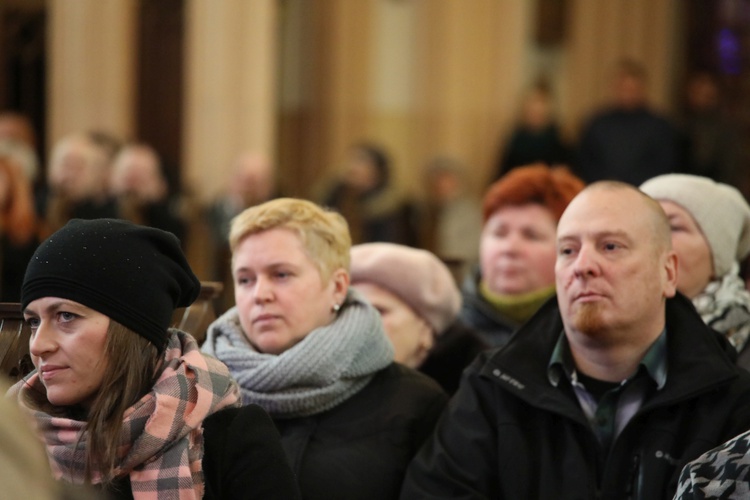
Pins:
x,y
360,449
491,325
509,434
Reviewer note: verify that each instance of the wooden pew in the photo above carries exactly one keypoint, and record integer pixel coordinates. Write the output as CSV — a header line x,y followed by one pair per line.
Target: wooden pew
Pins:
x,y
15,361
195,318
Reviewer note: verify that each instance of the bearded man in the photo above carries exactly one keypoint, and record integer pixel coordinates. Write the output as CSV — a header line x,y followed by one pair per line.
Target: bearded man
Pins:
x,y
607,391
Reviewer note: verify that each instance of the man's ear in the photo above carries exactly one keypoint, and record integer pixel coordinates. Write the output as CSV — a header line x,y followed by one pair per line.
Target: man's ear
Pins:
x,y
670,274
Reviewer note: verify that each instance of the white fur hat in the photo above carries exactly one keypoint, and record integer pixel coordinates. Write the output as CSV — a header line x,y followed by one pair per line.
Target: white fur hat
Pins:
x,y
417,277
720,210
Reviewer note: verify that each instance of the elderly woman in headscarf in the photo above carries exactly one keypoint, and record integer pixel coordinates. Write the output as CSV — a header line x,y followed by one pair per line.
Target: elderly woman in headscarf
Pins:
x,y
418,300
710,224
517,250
313,353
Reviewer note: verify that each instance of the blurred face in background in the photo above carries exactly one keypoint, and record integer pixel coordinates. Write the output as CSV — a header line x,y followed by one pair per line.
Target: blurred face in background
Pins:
x,y
361,173
694,260
518,249
630,90
136,172
252,180
537,110
411,336
78,169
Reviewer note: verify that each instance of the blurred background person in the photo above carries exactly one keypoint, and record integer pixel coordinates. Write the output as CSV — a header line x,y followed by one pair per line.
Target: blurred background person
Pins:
x,y
450,220
77,183
313,353
628,141
517,251
710,225
418,301
710,140
373,208
20,229
536,138
141,190
250,183
23,156
17,127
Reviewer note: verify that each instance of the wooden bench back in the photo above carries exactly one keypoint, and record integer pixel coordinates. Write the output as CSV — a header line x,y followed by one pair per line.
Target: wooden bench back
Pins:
x,y
196,318
15,361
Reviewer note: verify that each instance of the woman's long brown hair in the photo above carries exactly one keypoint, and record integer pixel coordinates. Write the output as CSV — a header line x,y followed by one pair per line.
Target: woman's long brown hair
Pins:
x,y
132,362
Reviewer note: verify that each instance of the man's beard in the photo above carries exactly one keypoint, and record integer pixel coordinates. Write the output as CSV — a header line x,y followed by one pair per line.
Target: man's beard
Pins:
x,y
588,319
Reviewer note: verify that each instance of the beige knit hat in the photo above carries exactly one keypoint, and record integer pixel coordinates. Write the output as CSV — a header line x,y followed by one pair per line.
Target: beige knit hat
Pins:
x,y
417,277
720,210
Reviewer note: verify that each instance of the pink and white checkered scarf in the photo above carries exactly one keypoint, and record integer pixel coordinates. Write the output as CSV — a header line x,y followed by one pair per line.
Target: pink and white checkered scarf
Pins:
x,y
161,445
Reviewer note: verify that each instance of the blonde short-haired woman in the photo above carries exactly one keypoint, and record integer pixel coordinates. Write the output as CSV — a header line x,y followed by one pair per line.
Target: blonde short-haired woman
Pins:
x,y
313,353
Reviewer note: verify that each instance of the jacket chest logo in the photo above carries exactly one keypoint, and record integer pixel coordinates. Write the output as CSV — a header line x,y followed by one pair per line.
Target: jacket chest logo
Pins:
x,y
508,379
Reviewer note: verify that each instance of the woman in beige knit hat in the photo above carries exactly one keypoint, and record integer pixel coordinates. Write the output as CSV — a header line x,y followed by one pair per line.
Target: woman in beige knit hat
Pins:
x,y
711,235
419,302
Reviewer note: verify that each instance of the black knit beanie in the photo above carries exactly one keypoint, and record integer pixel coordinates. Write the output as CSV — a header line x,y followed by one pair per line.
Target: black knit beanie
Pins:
x,y
134,274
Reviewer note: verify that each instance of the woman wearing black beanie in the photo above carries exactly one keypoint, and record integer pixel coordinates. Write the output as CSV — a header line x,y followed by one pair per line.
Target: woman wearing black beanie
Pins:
x,y
122,401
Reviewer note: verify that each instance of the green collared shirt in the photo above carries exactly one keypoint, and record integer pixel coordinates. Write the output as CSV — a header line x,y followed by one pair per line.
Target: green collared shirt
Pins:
x,y
609,416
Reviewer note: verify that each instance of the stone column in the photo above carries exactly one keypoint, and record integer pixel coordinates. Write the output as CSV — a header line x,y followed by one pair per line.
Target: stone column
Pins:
x,y
91,51
230,87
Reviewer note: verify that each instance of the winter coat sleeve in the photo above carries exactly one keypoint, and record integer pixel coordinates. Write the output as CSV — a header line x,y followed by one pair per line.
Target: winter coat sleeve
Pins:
x,y
460,459
243,457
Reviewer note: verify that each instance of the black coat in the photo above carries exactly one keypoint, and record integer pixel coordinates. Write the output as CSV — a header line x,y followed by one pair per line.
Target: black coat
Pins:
x,y
509,434
242,459
360,449
627,145
453,351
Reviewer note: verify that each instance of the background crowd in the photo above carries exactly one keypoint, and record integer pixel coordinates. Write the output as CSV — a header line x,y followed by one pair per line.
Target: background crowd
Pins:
x,y
350,319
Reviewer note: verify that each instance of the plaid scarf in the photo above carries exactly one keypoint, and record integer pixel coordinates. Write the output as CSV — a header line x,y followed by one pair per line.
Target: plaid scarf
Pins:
x,y
161,445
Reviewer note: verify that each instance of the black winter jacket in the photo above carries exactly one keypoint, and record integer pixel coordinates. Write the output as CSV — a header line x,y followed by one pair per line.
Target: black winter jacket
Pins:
x,y
509,434
360,449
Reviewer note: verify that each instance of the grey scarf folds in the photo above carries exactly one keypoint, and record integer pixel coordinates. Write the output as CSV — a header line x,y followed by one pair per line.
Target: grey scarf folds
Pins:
x,y
331,364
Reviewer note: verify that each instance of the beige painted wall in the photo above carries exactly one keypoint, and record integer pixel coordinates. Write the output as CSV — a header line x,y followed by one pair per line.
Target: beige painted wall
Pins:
x,y
231,88
90,82
423,77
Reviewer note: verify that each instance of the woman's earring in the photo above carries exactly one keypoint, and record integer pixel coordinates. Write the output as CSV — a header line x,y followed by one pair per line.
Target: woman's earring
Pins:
x,y
335,307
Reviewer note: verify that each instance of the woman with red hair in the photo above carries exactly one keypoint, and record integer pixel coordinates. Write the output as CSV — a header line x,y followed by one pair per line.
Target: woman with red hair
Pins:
x,y
517,249
19,226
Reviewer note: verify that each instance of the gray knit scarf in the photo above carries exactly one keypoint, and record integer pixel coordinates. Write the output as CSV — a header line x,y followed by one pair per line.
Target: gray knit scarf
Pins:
x,y
724,305
329,365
